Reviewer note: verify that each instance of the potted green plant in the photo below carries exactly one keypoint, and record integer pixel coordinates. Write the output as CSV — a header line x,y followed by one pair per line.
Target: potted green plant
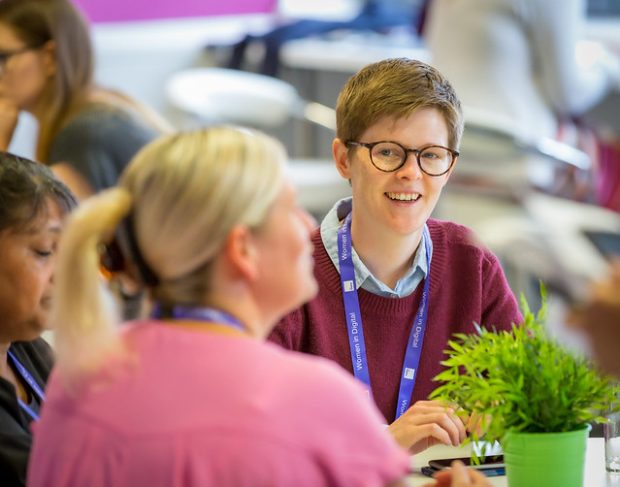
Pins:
x,y
535,397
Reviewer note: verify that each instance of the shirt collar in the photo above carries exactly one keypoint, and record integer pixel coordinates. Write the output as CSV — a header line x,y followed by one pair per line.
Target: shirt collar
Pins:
x,y
363,277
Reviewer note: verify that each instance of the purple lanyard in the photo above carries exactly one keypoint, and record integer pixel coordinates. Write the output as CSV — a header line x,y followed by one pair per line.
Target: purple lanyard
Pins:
x,y
31,383
199,314
353,318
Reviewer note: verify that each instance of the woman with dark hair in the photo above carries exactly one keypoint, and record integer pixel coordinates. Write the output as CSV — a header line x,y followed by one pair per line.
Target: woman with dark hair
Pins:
x,y
33,204
87,133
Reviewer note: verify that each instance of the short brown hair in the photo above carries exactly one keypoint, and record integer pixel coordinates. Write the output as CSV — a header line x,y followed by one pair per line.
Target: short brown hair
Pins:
x,y
396,88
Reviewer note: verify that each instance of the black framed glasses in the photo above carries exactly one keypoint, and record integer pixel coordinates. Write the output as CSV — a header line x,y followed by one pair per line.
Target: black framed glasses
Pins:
x,y
389,156
6,55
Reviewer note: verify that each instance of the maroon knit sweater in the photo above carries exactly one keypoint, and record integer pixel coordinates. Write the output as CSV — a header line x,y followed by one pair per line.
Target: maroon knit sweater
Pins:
x,y
467,286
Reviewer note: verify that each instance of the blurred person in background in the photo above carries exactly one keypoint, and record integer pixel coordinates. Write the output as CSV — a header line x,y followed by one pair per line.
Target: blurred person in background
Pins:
x,y
86,133
599,318
33,205
518,60
193,395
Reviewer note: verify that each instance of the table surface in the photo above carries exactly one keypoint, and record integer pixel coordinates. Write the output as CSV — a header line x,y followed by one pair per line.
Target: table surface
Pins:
x,y
595,474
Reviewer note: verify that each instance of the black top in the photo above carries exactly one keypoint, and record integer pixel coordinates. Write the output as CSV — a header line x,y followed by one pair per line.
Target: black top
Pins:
x,y
15,435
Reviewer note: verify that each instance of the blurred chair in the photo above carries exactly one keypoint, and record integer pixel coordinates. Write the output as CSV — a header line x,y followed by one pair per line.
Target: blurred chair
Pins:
x,y
496,150
217,95
229,95
537,236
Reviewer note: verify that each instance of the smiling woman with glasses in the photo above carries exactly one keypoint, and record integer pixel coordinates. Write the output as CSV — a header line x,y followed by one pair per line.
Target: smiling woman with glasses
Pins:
x,y
394,283
388,156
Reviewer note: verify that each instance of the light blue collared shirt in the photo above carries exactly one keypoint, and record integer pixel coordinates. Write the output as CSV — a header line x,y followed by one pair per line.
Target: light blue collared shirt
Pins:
x,y
363,277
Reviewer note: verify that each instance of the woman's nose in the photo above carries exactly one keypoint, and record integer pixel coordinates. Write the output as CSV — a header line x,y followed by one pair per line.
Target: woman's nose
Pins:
x,y
410,169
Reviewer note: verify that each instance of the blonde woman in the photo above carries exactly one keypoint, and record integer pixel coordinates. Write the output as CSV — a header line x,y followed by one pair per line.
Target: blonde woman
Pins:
x,y
87,133
192,396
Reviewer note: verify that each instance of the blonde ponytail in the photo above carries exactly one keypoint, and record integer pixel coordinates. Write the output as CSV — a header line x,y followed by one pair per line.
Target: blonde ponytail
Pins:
x,y
84,316
185,193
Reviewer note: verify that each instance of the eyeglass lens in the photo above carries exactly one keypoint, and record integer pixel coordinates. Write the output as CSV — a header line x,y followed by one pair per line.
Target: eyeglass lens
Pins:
x,y
6,55
388,156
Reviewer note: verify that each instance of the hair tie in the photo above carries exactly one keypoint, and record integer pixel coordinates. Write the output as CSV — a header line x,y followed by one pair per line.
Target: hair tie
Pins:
x,y
145,272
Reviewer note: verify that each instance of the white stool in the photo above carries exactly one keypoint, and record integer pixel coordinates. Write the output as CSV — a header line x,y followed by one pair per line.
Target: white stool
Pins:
x,y
217,95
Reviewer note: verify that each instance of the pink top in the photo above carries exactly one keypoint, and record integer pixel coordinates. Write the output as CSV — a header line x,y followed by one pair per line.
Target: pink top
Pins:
x,y
467,286
205,409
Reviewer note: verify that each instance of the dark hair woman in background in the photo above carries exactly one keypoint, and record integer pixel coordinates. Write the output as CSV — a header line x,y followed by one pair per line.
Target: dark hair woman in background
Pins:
x,y
33,204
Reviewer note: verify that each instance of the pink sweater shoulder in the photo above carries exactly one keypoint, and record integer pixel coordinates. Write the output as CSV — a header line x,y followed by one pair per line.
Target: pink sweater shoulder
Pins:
x,y
467,286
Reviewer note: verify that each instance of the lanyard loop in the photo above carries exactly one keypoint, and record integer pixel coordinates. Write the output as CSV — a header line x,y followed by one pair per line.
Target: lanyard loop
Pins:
x,y
353,319
199,314
23,372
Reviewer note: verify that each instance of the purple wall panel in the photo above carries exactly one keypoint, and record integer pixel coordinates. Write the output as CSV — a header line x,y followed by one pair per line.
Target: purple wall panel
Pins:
x,y
122,10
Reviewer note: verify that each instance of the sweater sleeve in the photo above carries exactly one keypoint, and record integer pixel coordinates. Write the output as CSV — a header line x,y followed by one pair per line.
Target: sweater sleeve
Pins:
x,y
500,308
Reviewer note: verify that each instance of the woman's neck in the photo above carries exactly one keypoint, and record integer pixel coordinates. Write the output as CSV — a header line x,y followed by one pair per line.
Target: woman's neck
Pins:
x,y
49,115
241,311
387,256
207,327
47,109
41,109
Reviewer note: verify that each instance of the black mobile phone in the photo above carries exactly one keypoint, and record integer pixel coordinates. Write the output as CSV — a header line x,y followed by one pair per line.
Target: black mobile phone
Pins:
x,y
491,472
490,462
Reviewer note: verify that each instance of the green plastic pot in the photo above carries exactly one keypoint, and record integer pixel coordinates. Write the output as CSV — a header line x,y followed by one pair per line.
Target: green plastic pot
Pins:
x,y
545,459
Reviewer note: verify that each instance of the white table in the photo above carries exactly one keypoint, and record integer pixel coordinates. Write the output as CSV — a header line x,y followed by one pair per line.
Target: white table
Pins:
x,y
595,474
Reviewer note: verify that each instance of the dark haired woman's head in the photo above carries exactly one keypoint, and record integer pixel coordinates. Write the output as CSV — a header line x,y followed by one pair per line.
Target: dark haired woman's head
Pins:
x,y
26,188
33,204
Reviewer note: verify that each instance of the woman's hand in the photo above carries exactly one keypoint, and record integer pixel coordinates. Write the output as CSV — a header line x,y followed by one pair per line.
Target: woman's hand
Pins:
x,y
459,476
428,423
9,115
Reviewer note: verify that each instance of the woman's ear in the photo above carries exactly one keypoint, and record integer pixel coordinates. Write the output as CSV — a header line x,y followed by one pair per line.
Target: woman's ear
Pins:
x,y
49,58
241,253
340,154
